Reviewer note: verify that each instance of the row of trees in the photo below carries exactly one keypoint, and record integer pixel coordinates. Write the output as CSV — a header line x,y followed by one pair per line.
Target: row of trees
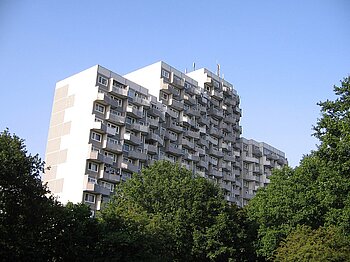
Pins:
x,y
168,214
304,214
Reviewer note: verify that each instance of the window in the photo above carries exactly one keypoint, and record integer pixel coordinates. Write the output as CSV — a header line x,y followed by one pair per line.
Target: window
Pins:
x,y
92,180
118,101
108,186
187,85
96,137
99,108
92,167
165,74
97,119
89,198
111,156
102,80
165,96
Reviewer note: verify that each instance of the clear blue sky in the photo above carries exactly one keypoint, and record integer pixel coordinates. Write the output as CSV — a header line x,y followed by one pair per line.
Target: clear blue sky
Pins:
x,y
282,56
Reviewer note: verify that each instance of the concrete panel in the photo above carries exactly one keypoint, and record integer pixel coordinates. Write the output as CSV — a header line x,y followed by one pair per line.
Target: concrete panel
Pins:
x,y
61,92
53,145
56,186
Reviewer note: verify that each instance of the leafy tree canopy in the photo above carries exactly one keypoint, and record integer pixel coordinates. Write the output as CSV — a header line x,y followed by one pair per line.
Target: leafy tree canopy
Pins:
x,y
181,216
316,193
33,225
322,244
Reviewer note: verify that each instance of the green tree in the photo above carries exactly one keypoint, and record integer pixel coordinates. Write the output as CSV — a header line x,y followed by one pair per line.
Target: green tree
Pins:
x,y
33,225
168,214
322,244
316,193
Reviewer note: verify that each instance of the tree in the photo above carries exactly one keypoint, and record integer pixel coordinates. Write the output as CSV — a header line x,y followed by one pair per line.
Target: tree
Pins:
x,y
322,244
33,225
168,214
316,193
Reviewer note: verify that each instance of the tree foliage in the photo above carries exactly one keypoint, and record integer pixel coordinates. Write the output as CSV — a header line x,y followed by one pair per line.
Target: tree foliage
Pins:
x,y
33,225
181,216
322,244
316,193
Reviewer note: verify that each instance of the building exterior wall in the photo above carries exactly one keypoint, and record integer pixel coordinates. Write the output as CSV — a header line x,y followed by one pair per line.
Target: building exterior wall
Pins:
x,y
105,127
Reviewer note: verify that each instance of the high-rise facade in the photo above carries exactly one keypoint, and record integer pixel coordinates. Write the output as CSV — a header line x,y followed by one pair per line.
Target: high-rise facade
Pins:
x,y
105,127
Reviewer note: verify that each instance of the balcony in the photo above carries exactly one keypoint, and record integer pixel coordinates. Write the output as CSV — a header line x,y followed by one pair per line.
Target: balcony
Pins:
x,y
238,183
174,127
202,129
187,166
187,144
250,177
118,91
230,101
95,188
134,112
226,166
215,132
226,187
129,167
229,138
226,147
191,157
106,100
132,139
203,164
169,89
229,158
141,102
202,100
217,94
100,127
98,157
229,178
153,122
201,173
257,152
187,120
189,100
248,195
215,172
156,113
105,175
257,170
200,150
236,192
151,149
179,105
139,128
177,81
155,138
113,146
193,112
216,113
215,152
191,134
172,149
281,161
134,154
250,159
267,163
116,119
203,121
203,142
170,136
230,119
172,113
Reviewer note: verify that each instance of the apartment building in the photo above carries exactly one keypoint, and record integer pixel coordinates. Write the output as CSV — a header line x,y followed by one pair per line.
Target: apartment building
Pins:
x,y
105,127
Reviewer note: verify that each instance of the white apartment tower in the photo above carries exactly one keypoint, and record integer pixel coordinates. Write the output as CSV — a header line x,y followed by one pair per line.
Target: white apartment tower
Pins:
x,y
105,127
